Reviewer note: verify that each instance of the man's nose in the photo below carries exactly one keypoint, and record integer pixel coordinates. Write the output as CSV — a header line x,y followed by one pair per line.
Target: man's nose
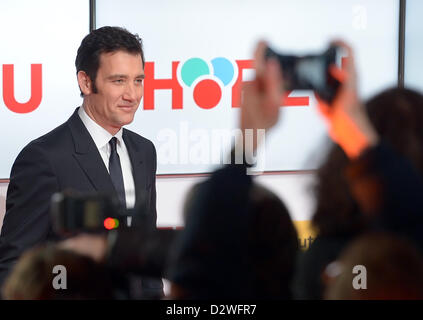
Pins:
x,y
132,92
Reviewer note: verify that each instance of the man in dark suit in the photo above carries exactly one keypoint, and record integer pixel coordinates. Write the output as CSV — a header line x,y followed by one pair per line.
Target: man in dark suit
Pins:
x,y
91,152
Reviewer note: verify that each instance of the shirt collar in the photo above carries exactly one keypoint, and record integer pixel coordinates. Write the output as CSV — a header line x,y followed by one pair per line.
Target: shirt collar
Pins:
x,y
100,135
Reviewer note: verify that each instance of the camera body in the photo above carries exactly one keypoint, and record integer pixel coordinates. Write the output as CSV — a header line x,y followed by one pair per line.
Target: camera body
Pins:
x,y
309,72
72,212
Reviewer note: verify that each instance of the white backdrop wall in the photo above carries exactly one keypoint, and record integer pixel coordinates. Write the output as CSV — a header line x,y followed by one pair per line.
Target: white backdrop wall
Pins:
x,y
45,35
193,33
414,45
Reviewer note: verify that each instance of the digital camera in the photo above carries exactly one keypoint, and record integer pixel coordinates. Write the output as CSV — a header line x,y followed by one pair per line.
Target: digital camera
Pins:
x,y
310,72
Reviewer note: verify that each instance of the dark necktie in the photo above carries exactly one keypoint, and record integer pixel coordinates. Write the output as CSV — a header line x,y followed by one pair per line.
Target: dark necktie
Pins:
x,y
115,171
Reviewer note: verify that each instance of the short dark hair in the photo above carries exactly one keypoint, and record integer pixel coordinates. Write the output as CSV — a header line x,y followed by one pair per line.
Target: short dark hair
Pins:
x,y
105,40
256,250
273,245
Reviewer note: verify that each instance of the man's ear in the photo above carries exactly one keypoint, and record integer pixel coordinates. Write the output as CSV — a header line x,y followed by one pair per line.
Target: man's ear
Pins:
x,y
85,83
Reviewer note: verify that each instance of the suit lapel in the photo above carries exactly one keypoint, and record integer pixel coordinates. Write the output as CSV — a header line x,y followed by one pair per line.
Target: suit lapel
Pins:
x,y
138,166
88,156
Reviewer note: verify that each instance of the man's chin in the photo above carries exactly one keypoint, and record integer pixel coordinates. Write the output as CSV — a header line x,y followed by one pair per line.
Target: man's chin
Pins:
x,y
125,120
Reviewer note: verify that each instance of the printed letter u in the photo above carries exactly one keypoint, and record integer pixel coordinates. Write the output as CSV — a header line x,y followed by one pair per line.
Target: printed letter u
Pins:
x,y
9,89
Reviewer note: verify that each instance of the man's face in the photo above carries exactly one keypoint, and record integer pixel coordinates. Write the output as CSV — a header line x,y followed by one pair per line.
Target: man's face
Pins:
x,y
119,86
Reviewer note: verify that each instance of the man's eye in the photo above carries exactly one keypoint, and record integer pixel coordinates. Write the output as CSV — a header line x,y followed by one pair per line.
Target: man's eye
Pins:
x,y
138,81
118,81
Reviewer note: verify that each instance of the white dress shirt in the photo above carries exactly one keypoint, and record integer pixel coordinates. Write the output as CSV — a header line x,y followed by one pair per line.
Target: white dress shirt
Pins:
x,y
101,139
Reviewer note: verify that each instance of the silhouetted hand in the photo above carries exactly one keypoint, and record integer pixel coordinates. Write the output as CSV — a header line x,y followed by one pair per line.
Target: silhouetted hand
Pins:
x,y
91,245
348,123
262,97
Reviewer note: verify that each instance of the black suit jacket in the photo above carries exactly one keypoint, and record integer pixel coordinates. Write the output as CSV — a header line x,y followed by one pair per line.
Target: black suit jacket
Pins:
x,y
65,158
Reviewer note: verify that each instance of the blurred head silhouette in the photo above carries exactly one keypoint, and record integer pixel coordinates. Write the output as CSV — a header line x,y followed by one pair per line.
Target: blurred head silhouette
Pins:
x,y
397,115
389,267
228,252
32,276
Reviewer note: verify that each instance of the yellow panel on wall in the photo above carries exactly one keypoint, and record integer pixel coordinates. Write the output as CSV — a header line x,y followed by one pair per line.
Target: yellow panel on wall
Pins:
x,y
306,234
